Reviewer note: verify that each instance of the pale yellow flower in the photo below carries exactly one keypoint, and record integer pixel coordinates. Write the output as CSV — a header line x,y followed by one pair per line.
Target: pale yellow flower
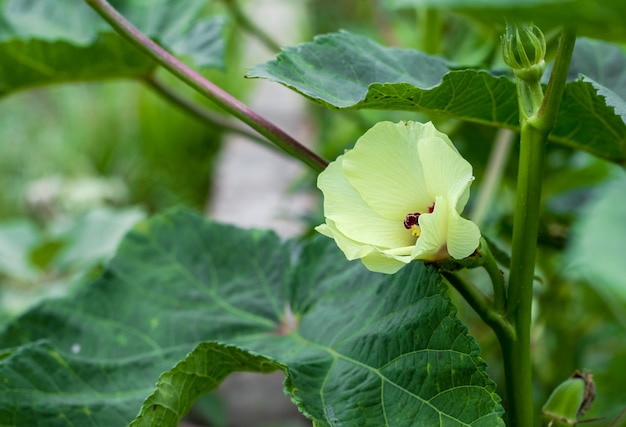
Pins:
x,y
397,197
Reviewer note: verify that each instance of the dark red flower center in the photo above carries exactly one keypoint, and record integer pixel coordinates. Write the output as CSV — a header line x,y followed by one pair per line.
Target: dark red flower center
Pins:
x,y
411,221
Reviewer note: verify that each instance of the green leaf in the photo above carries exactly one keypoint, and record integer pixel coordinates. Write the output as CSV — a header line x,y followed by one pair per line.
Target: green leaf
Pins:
x,y
200,372
593,18
95,235
357,348
41,43
346,71
44,386
598,244
17,239
604,66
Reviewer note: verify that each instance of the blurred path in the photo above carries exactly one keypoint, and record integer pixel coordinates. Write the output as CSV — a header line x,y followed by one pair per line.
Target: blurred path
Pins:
x,y
252,182
251,190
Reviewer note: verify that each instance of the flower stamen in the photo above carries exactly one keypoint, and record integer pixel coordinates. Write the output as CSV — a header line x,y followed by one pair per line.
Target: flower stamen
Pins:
x,y
411,223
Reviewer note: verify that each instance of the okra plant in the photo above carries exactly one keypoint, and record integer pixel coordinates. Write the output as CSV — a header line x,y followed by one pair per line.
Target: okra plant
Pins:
x,y
480,207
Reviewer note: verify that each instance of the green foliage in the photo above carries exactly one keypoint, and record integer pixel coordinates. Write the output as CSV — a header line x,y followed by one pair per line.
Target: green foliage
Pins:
x,y
124,141
187,302
38,262
41,43
595,252
343,70
201,371
398,358
594,18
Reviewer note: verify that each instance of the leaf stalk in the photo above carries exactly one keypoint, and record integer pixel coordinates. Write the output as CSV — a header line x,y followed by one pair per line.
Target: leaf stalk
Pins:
x,y
482,305
199,111
217,95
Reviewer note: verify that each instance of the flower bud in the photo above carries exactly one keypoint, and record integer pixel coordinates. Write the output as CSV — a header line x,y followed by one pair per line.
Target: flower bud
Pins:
x,y
569,401
524,50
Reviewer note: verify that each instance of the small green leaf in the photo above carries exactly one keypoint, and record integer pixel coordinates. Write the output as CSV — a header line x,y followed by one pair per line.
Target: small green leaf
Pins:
x,y
346,71
41,43
358,348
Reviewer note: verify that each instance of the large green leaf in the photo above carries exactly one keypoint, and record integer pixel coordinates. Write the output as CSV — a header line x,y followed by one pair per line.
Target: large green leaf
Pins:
x,y
42,43
594,18
358,348
596,249
604,66
343,70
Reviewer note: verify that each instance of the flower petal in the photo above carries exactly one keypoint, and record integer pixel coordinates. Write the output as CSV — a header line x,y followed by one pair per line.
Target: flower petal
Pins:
x,y
353,217
371,257
431,245
379,263
385,169
445,233
350,248
463,236
446,172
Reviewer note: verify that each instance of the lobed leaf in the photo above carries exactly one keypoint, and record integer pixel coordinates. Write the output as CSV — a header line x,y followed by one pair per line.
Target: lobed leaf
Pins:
x,y
200,372
199,300
347,71
42,43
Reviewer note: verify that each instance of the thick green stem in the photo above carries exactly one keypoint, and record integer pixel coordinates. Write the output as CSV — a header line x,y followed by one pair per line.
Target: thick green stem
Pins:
x,y
516,354
207,88
534,130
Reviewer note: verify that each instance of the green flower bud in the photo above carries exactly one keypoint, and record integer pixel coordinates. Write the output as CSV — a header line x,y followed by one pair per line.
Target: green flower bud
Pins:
x,y
524,50
569,401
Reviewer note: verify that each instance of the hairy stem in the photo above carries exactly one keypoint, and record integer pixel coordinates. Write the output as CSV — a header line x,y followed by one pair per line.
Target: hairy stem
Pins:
x,y
534,130
221,98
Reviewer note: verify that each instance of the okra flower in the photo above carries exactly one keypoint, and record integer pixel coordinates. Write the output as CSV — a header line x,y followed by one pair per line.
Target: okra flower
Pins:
x,y
397,197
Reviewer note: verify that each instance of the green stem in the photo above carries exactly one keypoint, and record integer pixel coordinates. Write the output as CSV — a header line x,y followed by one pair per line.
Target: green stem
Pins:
x,y
244,22
199,111
221,98
556,86
495,274
530,97
534,132
430,26
482,306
